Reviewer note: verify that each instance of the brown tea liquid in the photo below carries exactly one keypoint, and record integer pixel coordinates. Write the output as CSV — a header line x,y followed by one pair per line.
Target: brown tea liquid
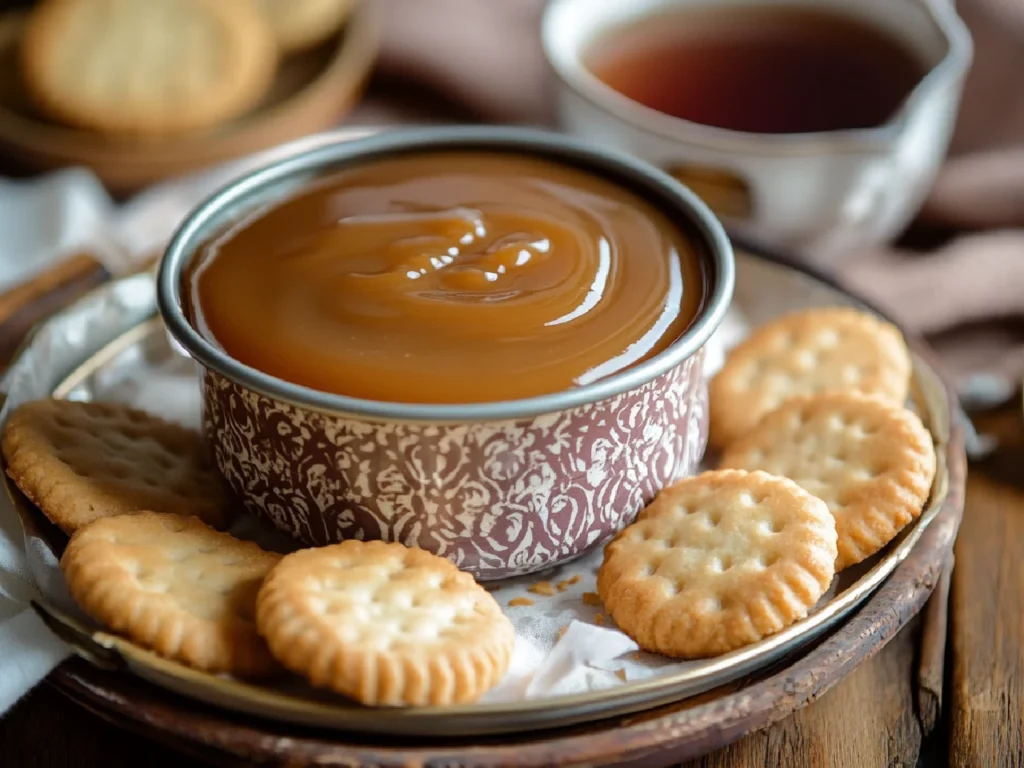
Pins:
x,y
760,70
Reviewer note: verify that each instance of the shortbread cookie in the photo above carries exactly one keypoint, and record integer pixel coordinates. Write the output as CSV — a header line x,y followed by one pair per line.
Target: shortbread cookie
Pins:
x,y
870,461
808,352
384,624
148,68
79,462
717,562
175,586
300,24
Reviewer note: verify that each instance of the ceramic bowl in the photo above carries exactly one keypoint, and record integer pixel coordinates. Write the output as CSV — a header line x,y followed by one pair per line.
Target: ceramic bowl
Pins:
x,y
501,488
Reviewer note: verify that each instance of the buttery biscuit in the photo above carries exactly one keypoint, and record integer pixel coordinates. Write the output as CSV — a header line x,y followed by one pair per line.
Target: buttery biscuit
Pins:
x,y
807,352
80,461
175,586
870,461
718,561
384,624
300,24
149,68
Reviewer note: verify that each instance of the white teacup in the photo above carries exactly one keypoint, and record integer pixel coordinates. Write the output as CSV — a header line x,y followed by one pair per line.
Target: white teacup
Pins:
x,y
819,194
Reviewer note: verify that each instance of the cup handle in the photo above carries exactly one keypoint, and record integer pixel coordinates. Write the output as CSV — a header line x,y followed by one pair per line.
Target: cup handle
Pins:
x,y
724,192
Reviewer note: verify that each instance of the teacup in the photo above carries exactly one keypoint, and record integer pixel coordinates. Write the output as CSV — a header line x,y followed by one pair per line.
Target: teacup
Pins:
x,y
822,194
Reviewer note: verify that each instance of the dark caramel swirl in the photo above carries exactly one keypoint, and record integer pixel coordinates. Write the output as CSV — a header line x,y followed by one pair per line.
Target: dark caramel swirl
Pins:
x,y
448,278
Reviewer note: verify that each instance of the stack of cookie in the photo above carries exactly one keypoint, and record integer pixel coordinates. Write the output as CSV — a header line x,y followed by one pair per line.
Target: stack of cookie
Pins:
x,y
161,68
822,465
381,623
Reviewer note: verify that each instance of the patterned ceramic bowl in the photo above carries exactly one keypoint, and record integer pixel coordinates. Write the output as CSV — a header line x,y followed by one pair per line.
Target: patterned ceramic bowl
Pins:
x,y
501,488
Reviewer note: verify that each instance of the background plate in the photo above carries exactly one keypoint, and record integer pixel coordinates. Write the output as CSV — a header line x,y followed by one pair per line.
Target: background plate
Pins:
x,y
311,91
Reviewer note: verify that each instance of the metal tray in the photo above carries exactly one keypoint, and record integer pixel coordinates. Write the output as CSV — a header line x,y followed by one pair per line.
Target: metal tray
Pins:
x,y
116,326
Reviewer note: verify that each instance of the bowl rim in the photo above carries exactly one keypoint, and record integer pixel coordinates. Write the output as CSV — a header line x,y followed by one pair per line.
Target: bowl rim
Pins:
x,y
272,183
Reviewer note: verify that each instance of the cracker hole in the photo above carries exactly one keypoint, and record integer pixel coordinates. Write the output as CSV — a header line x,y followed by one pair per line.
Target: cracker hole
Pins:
x,y
828,338
714,518
806,360
851,375
725,562
712,604
746,499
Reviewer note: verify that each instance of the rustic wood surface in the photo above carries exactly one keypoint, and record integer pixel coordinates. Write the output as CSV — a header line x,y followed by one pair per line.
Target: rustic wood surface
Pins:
x,y
985,692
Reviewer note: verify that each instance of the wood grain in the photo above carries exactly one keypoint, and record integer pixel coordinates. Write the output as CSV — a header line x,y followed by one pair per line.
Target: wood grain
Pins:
x,y
867,720
986,695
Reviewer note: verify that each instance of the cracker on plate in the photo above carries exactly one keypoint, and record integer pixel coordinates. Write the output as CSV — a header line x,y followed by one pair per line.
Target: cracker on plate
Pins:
x,y
807,352
872,462
149,67
718,561
79,462
384,624
175,586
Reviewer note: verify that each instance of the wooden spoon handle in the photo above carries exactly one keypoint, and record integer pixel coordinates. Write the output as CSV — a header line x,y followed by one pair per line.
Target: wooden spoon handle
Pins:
x,y
26,304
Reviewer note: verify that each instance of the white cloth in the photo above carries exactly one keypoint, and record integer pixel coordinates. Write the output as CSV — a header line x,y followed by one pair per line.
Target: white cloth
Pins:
x,y
28,650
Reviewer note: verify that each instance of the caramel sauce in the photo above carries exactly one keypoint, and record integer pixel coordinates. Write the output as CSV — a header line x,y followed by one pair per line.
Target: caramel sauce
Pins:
x,y
451,277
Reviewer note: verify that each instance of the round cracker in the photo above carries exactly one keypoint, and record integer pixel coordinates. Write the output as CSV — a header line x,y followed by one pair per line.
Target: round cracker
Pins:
x,y
384,624
175,586
870,461
79,462
818,350
718,561
150,68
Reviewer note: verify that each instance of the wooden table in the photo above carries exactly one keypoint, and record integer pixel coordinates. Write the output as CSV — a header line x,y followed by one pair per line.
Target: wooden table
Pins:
x,y
870,719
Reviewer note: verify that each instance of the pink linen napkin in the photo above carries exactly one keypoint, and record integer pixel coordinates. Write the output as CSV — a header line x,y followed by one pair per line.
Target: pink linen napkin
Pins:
x,y
966,296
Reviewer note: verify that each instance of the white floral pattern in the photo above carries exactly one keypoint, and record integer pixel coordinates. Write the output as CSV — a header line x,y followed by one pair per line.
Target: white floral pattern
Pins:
x,y
499,499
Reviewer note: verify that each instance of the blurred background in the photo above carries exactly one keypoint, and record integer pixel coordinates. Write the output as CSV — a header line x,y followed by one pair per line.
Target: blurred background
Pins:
x,y
957,276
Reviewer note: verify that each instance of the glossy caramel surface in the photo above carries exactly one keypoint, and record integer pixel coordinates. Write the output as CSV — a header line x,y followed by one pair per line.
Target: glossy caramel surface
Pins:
x,y
453,277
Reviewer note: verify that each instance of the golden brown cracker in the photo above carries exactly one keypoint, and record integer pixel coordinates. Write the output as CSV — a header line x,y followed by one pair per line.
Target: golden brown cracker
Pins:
x,y
79,462
149,68
175,586
807,352
384,624
870,461
717,562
